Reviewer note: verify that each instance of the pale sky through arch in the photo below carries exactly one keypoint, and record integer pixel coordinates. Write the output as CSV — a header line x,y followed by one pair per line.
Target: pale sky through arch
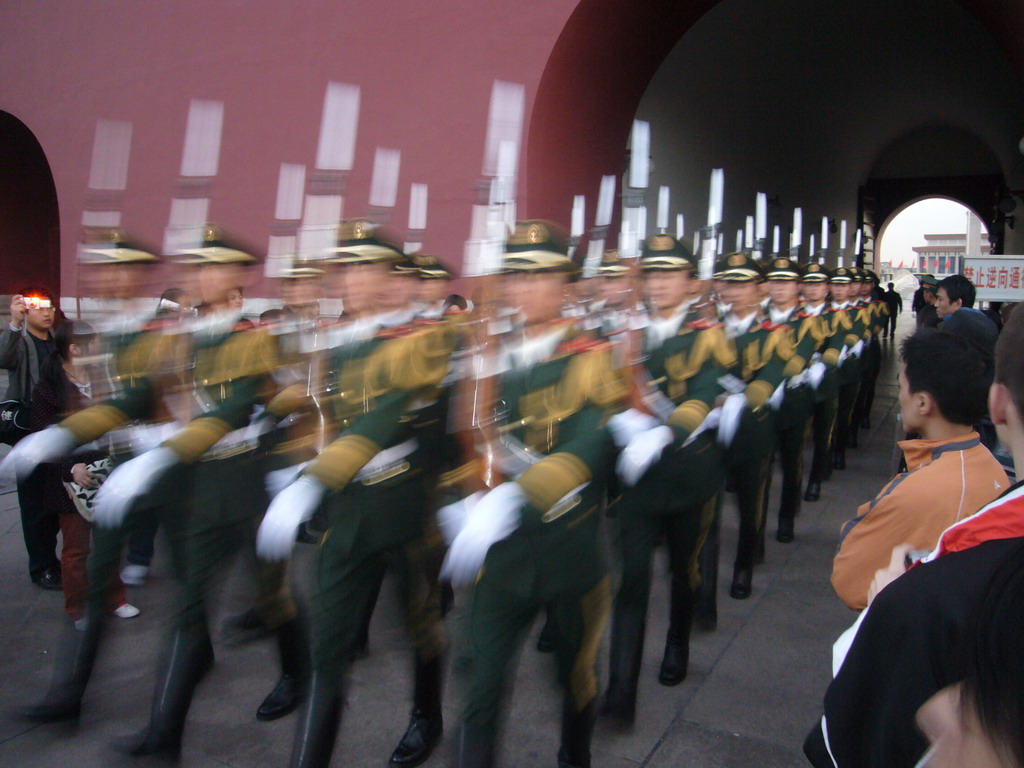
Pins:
x,y
933,216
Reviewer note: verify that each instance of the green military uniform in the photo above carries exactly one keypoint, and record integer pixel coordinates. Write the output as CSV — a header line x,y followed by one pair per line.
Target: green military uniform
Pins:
x,y
385,401
146,362
798,400
824,410
231,376
557,404
871,364
853,323
675,498
764,359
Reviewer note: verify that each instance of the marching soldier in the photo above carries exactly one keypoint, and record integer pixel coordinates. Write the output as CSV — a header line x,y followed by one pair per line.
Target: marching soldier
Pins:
x,y
849,323
232,370
672,467
814,286
435,282
783,277
764,359
536,537
877,312
615,294
146,360
374,481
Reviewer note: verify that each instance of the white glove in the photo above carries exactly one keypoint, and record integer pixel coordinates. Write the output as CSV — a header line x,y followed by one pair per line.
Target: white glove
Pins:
x,y
816,373
277,480
628,424
857,348
127,483
797,381
843,354
452,517
32,450
492,519
775,401
290,508
732,412
641,452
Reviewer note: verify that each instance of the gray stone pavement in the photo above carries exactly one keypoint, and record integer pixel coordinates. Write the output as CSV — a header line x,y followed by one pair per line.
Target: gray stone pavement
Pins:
x,y
754,689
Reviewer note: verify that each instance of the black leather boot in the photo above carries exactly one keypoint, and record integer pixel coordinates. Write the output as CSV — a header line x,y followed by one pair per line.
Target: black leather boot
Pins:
x,y
839,458
706,607
742,580
785,534
75,659
474,748
624,660
676,659
293,647
813,492
426,724
190,658
318,724
577,730
546,638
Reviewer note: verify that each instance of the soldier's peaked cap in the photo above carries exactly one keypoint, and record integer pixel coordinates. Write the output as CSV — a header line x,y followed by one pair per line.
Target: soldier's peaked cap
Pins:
x,y
783,268
361,241
841,275
537,246
664,252
738,268
113,246
216,247
816,273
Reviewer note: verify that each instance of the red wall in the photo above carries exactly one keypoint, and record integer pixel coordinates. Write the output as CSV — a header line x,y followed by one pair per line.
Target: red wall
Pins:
x,y
425,70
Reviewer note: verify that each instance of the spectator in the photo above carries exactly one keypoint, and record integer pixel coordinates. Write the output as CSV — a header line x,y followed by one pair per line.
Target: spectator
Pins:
x,y
64,387
950,474
895,303
927,316
909,644
24,344
918,301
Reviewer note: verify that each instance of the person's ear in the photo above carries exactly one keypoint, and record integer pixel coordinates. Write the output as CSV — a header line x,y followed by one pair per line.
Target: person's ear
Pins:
x,y
74,350
925,404
998,401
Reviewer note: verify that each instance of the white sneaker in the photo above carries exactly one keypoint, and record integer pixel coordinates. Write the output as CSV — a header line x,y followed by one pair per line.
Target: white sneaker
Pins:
x,y
134,575
126,611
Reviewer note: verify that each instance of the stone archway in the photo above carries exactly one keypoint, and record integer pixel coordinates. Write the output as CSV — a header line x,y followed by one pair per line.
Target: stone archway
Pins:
x,y
29,221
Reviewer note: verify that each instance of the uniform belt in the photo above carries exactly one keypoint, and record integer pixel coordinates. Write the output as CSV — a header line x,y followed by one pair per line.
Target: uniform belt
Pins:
x,y
139,438
387,463
237,442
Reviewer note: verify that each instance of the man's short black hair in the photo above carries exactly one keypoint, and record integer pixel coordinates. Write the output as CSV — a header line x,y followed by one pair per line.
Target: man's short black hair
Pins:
x,y
958,287
956,373
890,285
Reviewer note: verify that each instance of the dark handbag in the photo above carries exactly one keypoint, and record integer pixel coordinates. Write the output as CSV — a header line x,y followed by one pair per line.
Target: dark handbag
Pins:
x,y
15,421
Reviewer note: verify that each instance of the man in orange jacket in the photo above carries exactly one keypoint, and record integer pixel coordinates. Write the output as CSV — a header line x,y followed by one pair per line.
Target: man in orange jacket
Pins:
x,y
950,474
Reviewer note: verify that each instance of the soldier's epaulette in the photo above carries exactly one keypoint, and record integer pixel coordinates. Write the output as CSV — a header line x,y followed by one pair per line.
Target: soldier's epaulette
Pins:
x,y
158,323
768,325
803,315
395,331
703,324
580,344
242,325
426,322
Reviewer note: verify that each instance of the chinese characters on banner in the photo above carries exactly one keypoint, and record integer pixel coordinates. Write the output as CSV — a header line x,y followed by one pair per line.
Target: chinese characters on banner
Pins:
x,y
997,278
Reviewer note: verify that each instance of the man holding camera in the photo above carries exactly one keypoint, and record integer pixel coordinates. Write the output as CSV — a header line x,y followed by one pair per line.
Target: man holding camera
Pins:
x,y
24,344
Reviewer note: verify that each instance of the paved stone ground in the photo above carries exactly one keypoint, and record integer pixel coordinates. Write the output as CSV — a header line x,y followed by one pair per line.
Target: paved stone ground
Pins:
x,y
754,689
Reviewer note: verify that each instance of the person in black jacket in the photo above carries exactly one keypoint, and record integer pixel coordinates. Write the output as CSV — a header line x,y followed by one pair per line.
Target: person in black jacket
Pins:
x,y
895,302
24,344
